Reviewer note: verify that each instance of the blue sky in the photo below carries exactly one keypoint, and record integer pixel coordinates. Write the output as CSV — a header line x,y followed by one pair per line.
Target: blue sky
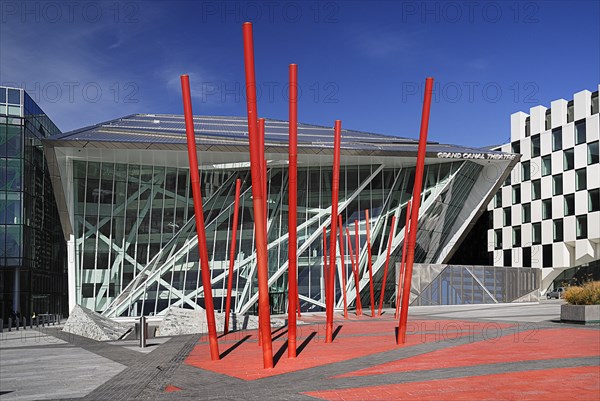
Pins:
x,y
362,62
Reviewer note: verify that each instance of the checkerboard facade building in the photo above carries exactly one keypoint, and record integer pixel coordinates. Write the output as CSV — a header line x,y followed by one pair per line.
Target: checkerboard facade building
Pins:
x,y
547,213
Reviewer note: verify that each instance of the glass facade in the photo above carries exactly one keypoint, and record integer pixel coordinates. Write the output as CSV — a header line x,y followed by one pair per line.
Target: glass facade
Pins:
x,y
136,245
479,285
32,249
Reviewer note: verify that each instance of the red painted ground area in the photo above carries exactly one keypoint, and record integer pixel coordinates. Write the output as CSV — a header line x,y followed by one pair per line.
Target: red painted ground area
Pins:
x,y
355,339
582,383
514,346
171,389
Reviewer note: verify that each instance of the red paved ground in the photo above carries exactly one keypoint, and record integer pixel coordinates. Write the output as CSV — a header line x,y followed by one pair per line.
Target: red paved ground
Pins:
x,y
513,347
171,389
581,383
357,338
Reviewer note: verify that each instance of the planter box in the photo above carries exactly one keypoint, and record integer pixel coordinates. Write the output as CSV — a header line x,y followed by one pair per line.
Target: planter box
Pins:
x,y
580,313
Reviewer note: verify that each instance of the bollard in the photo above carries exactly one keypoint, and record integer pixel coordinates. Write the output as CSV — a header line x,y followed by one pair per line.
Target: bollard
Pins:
x,y
24,322
58,317
2,324
17,323
9,323
37,322
31,322
143,331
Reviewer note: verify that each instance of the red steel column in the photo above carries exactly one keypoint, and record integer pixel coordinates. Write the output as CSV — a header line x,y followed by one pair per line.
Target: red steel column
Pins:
x,y
199,214
258,200
292,210
354,272
387,263
369,261
325,267
236,206
343,267
412,239
357,259
402,269
335,186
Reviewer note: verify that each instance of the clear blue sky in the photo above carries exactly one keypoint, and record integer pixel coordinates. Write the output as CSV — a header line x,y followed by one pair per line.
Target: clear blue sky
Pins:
x,y
361,62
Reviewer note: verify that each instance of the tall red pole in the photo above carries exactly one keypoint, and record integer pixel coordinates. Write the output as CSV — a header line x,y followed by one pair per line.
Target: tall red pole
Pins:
x,y
343,267
402,263
370,262
258,200
236,206
292,210
412,239
199,215
357,259
325,267
387,263
354,272
335,186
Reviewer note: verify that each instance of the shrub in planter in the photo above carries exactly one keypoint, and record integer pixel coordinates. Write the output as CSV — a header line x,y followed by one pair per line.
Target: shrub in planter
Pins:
x,y
588,294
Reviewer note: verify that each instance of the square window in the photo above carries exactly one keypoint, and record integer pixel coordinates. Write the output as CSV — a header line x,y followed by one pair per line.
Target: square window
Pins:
x,y
593,155
526,213
548,124
581,227
536,189
547,209
516,147
2,95
516,194
558,229
507,257
580,179
570,111
569,205
594,200
547,256
546,165
580,132
507,180
535,145
557,184
595,103
14,96
507,216
525,171
536,233
527,257
527,126
569,159
498,199
557,139
517,236
498,239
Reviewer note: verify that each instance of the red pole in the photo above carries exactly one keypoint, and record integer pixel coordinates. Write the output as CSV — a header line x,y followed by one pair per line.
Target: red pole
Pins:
x,y
292,210
354,272
369,261
387,263
343,267
258,200
325,267
402,269
412,239
335,186
199,214
236,206
357,260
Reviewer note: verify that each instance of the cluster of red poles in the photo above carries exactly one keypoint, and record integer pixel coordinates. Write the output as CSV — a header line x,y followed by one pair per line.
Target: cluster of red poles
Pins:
x,y
258,168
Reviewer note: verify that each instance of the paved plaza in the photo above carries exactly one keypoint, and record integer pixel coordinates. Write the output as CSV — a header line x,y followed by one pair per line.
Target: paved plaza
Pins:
x,y
474,352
